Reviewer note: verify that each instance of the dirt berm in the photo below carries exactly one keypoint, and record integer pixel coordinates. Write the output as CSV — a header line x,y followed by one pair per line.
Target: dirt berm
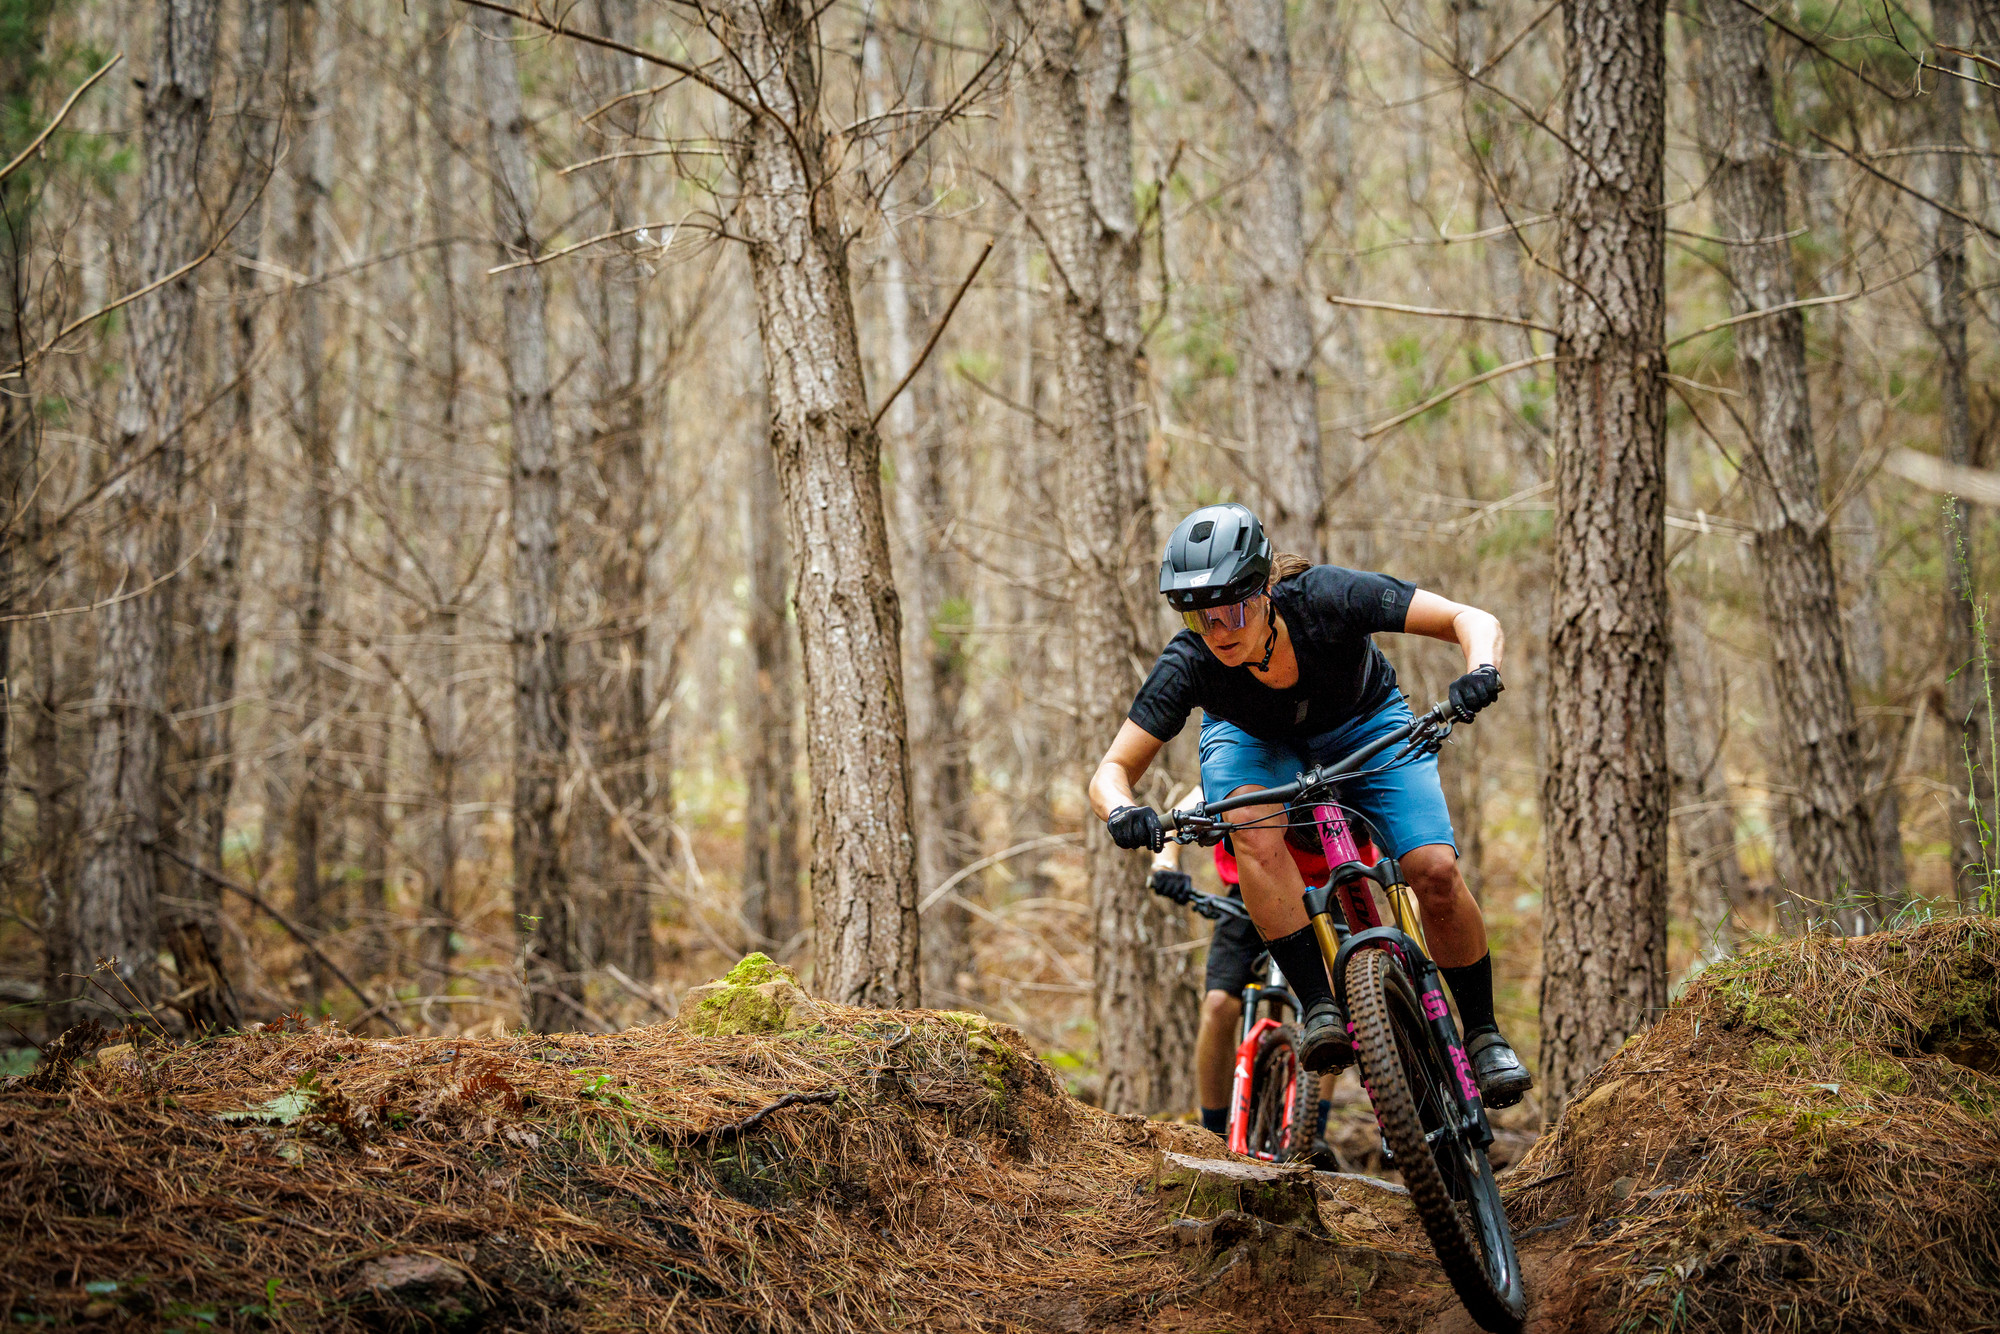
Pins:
x,y
1807,1141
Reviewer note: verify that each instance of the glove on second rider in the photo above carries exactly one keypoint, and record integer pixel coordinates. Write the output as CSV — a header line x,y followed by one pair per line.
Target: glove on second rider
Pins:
x,y
1475,690
1137,827
1170,884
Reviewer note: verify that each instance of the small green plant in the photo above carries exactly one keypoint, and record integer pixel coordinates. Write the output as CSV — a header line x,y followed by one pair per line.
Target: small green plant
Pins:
x,y
599,1089
268,1309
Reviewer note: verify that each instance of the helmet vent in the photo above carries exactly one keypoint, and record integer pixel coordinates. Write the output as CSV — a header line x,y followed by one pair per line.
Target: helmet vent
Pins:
x,y
1201,531
1242,538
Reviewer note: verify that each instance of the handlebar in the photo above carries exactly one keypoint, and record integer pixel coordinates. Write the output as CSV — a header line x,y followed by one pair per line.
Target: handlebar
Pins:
x,y
1202,816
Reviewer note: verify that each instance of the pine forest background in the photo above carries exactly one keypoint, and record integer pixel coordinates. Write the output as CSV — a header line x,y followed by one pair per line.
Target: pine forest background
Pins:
x,y
316,490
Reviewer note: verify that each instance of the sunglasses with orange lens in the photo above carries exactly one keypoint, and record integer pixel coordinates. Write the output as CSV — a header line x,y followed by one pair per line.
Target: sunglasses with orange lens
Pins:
x,y
1232,617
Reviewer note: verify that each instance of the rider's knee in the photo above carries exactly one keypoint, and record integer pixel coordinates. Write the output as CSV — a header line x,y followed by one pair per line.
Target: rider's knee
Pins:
x,y
1434,877
1219,1007
1264,846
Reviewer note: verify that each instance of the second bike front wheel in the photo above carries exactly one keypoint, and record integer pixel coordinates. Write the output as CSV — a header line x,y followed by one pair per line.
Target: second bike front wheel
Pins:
x,y
1446,1171
1280,1126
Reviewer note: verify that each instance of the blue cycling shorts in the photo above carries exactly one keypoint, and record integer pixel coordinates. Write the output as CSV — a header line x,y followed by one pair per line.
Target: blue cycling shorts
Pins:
x,y
1405,806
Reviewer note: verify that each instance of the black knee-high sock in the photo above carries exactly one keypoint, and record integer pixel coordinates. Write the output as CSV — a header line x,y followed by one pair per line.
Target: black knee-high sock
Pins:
x,y
1472,987
1305,971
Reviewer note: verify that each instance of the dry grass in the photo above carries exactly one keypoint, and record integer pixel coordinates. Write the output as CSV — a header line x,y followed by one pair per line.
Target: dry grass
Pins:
x,y
587,1182
1809,1140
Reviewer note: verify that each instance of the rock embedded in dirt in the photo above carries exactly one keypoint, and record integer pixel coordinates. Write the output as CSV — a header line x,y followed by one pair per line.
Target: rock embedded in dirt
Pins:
x,y
758,996
1209,1187
417,1291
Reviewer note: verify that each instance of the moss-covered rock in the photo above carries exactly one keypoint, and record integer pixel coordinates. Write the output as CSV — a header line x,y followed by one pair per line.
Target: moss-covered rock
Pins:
x,y
758,996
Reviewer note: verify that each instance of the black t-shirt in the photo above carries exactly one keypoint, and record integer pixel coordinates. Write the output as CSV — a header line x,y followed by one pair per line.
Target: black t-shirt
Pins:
x,y
1330,612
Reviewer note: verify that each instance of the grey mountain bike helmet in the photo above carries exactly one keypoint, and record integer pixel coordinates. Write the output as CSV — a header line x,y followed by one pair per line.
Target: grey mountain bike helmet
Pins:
x,y
1217,555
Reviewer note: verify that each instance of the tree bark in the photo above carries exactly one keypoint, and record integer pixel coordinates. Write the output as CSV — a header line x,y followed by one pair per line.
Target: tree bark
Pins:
x,y
1144,1023
829,457
1831,825
115,914
770,807
310,53
1278,344
1605,793
614,711
1946,313
542,904
438,493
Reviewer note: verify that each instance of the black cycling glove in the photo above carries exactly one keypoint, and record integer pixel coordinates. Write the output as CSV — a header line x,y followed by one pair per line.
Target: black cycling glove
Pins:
x,y
1137,827
1474,691
1171,884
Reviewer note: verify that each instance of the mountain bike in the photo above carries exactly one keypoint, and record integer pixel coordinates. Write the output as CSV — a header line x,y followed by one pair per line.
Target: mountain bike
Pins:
x,y
1271,1102
1412,1056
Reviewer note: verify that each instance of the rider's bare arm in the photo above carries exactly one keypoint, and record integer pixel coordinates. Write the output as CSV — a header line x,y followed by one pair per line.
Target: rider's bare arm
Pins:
x,y
1131,753
1473,630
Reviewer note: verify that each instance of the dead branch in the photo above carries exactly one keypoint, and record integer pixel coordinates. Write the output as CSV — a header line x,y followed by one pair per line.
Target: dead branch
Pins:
x,y
936,333
39,139
293,929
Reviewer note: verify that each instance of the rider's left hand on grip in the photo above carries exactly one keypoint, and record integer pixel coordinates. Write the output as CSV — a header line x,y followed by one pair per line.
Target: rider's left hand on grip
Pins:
x,y
1171,884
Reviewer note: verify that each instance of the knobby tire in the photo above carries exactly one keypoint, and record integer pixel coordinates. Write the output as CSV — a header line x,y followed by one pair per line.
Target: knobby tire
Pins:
x,y
1399,1056
1276,1069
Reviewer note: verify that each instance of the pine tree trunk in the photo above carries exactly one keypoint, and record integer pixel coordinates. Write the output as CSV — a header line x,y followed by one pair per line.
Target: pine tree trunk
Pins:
x,y
829,458
1605,793
1145,1021
542,904
1831,824
770,807
1277,376
1947,316
1867,640
438,492
614,710
311,43
114,914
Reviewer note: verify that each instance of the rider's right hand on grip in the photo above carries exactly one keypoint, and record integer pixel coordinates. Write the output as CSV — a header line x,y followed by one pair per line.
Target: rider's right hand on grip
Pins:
x,y
1171,884
1137,827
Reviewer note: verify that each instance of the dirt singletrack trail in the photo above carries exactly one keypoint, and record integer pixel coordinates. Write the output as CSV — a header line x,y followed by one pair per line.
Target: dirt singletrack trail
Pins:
x,y
1809,1139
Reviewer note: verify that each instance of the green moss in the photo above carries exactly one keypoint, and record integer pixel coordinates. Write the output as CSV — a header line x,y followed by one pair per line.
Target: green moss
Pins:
x,y
1751,1007
756,969
1862,1069
1779,1057
758,996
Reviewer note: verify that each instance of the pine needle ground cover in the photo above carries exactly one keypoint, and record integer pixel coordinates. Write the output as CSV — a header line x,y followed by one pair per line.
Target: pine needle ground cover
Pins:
x,y
1808,1140
926,1172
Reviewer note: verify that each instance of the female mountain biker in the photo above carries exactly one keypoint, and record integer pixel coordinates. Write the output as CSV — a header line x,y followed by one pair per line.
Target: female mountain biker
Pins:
x,y
1279,658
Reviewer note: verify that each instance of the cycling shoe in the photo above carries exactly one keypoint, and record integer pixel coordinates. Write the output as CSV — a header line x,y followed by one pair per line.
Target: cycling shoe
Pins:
x,y
1325,1043
1503,1080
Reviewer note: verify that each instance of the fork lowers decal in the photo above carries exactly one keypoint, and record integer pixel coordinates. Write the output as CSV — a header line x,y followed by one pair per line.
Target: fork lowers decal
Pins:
x,y
1466,1084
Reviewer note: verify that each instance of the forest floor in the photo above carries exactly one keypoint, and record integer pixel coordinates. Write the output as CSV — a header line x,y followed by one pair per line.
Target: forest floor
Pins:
x,y
1808,1139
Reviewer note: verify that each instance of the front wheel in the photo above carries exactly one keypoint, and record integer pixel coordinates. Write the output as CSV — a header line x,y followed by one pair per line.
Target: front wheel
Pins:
x,y
1425,1123
1280,1127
